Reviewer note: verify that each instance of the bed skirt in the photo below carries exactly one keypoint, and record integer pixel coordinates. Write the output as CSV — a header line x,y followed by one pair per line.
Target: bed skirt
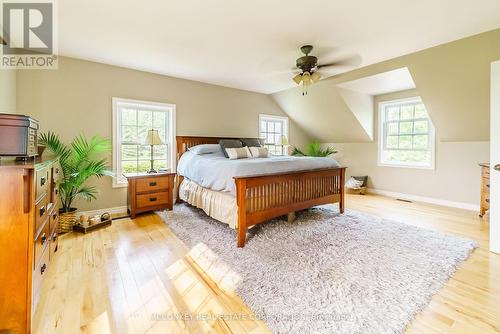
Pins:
x,y
217,204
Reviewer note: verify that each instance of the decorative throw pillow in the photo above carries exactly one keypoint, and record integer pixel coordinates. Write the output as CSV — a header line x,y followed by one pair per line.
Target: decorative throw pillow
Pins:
x,y
259,152
238,153
205,149
363,179
353,183
229,143
252,142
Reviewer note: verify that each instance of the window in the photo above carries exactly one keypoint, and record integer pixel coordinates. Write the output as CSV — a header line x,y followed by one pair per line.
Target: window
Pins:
x,y
406,135
271,129
131,122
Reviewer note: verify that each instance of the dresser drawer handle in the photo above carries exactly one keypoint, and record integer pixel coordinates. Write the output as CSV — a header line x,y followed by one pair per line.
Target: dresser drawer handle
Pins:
x,y
487,200
152,184
43,180
488,185
54,237
152,199
42,269
43,238
42,211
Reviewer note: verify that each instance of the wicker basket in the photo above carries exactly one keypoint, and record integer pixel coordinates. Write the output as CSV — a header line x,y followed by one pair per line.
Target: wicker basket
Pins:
x,y
356,191
66,221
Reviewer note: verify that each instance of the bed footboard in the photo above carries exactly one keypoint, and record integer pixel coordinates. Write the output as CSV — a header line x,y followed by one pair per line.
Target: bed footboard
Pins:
x,y
263,197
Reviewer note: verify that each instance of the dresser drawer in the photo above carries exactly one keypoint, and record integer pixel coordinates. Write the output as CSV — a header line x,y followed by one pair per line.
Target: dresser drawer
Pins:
x,y
143,201
151,184
42,181
485,172
38,275
41,212
56,173
41,242
53,220
486,182
53,245
485,202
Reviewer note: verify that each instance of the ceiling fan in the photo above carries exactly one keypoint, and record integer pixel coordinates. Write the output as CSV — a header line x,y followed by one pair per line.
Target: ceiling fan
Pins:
x,y
309,67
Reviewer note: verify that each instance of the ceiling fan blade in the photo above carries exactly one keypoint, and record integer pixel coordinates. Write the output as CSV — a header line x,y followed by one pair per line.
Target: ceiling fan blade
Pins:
x,y
349,61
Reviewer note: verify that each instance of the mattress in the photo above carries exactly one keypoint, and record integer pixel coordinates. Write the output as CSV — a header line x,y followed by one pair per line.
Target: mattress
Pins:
x,y
216,172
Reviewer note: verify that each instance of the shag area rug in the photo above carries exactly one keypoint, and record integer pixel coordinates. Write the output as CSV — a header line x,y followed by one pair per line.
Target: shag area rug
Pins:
x,y
325,272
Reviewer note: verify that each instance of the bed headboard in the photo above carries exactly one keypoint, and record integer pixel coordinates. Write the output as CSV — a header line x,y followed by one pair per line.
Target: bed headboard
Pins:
x,y
185,142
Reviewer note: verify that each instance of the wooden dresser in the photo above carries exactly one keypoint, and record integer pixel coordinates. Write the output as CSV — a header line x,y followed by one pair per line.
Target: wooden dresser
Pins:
x,y
485,189
28,239
149,192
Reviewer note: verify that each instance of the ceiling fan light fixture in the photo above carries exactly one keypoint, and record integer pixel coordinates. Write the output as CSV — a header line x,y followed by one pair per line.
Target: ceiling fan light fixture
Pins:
x,y
297,79
315,77
306,78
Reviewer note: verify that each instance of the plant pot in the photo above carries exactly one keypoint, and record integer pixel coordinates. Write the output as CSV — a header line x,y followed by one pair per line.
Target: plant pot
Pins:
x,y
66,220
40,150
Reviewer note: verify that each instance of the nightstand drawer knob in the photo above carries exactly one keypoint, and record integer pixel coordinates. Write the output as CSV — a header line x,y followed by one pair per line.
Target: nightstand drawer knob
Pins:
x,y
152,184
152,199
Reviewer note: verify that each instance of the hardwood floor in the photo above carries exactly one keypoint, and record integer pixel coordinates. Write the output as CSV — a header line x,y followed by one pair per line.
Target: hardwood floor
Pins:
x,y
129,276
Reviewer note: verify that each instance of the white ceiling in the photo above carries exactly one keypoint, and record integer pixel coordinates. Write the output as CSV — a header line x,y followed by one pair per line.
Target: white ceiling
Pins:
x,y
252,45
381,83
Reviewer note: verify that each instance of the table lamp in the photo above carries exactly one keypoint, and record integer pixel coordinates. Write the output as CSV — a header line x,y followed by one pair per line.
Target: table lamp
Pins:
x,y
152,139
283,141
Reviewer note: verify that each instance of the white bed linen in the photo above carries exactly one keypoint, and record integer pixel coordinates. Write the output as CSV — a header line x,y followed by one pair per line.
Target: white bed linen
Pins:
x,y
217,204
214,171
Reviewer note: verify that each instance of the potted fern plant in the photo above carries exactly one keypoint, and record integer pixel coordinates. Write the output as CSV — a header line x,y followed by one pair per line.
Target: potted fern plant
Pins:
x,y
314,149
80,161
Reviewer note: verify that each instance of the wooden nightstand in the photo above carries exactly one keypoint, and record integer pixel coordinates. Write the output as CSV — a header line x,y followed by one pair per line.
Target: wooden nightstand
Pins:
x,y
149,192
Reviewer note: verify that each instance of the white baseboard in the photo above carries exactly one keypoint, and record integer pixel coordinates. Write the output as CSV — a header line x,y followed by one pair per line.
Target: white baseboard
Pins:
x,y
431,200
111,211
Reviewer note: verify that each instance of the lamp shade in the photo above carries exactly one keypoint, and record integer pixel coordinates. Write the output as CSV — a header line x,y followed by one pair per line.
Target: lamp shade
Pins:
x,y
306,78
315,76
153,138
283,140
297,79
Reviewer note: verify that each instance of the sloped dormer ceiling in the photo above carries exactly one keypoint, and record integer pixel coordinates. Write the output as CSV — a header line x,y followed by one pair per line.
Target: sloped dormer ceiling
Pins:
x,y
452,79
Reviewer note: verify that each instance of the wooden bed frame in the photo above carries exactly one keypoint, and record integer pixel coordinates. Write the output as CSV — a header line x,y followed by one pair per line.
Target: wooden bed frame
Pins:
x,y
262,197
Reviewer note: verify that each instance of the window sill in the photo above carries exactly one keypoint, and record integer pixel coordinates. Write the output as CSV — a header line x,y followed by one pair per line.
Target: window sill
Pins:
x,y
120,184
395,165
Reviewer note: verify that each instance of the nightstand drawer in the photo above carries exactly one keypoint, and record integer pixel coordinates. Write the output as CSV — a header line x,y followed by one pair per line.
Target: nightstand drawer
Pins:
x,y
150,184
154,199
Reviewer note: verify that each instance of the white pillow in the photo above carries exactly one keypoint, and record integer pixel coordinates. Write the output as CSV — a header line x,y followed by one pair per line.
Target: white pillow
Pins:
x,y
205,149
238,153
259,152
353,183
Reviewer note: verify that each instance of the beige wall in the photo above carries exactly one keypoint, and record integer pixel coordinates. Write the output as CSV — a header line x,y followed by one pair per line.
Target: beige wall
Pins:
x,y
8,91
456,176
76,99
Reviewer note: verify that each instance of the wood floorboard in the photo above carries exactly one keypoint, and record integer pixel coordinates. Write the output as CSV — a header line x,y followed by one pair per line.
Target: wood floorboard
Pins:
x,y
127,278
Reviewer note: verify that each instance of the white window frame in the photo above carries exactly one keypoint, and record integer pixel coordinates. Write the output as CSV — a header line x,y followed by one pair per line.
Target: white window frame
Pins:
x,y
119,181
381,136
283,119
